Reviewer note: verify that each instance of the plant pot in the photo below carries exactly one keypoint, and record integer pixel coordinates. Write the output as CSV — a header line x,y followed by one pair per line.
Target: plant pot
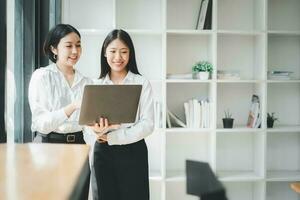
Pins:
x,y
270,123
203,75
228,122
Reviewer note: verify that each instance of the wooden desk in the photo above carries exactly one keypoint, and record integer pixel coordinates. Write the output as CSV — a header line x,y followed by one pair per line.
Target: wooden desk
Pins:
x,y
42,171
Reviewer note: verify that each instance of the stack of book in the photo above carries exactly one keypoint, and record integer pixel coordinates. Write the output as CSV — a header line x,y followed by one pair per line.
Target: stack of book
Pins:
x,y
197,115
228,75
180,76
279,75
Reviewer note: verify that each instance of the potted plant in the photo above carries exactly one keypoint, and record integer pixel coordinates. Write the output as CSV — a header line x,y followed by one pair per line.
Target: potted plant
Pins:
x,y
202,70
271,119
228,120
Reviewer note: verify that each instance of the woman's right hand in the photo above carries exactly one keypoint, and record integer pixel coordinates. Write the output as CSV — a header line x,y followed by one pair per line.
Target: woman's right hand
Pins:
x,y
103,127
69,109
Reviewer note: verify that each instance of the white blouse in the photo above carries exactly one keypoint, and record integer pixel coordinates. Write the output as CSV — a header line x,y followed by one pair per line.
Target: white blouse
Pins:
x,y
144,123
48,94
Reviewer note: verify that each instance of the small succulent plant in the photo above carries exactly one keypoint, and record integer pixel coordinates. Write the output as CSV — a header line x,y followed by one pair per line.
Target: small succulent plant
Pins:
x,y
202,66
227,114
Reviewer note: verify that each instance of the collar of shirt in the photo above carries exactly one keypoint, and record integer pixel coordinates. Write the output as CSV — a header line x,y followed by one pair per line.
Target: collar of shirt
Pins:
x,y
77,75
128,78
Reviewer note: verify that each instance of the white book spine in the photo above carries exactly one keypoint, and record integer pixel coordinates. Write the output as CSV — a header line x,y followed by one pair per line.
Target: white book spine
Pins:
x,y
196,113
191,113
168,121
202,114
187,114
205,114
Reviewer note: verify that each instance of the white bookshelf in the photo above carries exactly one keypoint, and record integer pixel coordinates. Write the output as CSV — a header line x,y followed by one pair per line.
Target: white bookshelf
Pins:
x,y
252,37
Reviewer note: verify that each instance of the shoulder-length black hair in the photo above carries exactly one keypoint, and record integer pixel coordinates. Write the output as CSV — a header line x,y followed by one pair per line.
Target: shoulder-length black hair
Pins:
x,y
124,37
54,36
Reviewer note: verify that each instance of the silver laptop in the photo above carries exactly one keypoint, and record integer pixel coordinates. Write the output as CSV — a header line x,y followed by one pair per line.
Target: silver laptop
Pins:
x,y
117,103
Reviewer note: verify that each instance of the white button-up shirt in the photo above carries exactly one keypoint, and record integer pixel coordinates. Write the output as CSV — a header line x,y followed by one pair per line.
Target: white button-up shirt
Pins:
x,y
48,94
144,123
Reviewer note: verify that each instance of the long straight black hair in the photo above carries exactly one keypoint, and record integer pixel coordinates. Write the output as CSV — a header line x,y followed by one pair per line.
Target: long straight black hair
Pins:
x,y
124,37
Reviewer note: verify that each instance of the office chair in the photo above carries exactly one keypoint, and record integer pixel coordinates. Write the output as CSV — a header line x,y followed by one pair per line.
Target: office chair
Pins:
x,y
202,182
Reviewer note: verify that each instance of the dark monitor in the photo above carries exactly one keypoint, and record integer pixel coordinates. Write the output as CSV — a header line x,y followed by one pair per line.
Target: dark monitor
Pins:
x,y
202,182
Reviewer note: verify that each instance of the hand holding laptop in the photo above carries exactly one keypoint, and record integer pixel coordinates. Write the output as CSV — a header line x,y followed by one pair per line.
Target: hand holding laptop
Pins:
x,y
103,127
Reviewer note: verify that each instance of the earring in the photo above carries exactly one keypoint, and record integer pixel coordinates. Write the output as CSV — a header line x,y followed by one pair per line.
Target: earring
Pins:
x,y
54,56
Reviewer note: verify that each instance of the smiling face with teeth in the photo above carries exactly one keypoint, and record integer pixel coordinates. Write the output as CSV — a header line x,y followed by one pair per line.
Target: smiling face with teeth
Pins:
x,y
68,50
117,55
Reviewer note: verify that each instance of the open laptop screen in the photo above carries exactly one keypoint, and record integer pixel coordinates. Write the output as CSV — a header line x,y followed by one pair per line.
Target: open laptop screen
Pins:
x,y
117,103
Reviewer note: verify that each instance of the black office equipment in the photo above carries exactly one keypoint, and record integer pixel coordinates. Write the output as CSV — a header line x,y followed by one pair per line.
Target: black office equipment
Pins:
x,y
202,182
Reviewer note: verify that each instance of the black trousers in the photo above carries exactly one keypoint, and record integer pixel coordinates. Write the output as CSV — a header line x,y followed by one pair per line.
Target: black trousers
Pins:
x,y
68,139
122,171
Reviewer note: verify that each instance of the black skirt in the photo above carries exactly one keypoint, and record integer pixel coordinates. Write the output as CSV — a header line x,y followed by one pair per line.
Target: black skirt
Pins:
x,y
122,171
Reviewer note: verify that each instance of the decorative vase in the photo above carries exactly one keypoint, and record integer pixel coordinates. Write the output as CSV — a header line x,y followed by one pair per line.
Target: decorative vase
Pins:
x,y
270,123
228,122
203,75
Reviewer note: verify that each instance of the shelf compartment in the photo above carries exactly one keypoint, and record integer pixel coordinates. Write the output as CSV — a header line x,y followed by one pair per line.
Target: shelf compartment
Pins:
x,y
178,93
182,15
237,98
284,15
176,190
283,156
242,53
139,14
283,99
182,146
246,15
183,51
245,190
283,54
97,14
240,156
279,191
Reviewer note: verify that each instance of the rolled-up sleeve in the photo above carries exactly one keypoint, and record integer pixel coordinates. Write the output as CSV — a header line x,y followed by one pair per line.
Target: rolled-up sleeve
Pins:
x,y
144,124
43,119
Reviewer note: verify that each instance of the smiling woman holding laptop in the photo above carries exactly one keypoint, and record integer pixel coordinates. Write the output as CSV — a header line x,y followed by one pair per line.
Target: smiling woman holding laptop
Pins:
x,y
120,152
